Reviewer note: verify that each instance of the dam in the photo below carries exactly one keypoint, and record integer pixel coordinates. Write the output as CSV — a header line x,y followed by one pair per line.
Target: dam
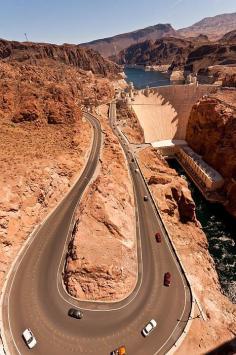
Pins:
x,y
163,112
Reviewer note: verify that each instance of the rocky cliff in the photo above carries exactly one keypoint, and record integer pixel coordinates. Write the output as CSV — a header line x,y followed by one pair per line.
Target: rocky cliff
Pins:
x,y
36,53
211,132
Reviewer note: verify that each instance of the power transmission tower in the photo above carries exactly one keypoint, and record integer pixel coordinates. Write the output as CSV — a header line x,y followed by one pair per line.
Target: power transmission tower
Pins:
x,y
27,40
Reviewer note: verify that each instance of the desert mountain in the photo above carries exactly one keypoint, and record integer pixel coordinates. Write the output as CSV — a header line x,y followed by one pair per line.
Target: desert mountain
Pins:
x,y
213,27
113,45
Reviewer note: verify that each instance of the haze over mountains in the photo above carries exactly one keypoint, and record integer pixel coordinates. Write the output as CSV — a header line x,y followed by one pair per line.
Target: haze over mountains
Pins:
x,y
214,27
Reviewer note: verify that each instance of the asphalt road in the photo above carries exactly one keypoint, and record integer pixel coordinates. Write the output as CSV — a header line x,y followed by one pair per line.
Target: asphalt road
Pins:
x,y
35,296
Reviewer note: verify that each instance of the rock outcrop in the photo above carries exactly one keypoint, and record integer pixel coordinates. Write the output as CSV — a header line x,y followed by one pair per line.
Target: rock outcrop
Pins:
x,y
102,256
211,132
173,197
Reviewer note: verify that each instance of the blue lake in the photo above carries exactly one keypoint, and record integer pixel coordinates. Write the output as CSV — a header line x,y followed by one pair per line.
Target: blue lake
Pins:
x,y
141,79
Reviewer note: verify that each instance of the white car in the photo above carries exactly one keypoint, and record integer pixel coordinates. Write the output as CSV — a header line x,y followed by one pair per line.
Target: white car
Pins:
x,y
149,327
29,338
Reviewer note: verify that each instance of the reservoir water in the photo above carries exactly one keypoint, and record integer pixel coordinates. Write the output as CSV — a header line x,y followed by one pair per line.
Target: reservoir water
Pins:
x,y
220,229
141,79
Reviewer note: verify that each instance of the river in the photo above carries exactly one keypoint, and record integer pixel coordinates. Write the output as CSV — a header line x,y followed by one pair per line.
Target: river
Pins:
x,y
220,229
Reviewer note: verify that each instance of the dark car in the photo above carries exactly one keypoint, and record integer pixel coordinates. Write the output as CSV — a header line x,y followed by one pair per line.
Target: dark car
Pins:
x,y
75,313
158,237
167,278
145,198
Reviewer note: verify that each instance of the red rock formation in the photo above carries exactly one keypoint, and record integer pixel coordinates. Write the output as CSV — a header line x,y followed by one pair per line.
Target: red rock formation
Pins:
x,y
211,132
35,53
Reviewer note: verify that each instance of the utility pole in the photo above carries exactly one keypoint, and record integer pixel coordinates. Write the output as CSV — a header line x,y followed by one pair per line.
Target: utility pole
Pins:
x,y
27,40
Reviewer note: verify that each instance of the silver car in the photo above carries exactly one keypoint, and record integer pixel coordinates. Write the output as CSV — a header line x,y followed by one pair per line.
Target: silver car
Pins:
x,y
29,338
149,327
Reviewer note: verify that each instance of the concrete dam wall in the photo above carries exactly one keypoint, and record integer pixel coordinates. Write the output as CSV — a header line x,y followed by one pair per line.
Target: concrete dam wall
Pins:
x,y
164,114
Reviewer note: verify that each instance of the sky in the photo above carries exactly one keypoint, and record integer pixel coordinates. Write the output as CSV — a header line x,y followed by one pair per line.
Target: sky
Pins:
x,y
77,21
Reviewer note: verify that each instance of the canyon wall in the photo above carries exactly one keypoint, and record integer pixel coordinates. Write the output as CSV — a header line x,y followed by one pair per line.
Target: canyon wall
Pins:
x,y
164,114
211,133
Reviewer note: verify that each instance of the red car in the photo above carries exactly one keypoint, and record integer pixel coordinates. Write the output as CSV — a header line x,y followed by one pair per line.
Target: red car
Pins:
x,y
158,237
167,278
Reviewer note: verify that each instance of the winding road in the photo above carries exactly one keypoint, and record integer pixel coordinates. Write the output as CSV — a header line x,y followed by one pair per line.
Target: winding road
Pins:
x,y
35,297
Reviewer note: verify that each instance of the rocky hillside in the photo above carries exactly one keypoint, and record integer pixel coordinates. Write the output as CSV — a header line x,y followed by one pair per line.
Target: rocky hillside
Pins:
x,y
32,53
211,133
211,54
194,54
214,27
229,37
111,46
162,51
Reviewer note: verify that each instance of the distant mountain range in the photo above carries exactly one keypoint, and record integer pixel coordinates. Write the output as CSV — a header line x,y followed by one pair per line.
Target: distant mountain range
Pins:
x,y
214,27
193,54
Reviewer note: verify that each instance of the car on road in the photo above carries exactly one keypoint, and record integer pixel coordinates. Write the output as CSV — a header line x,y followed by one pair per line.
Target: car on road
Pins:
x,y
136,170
167,279
145,198
149,327
158,237
75,313
120,351
29,338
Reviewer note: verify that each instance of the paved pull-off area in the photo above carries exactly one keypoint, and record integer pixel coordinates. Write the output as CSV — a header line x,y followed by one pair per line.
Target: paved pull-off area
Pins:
x,y
35,296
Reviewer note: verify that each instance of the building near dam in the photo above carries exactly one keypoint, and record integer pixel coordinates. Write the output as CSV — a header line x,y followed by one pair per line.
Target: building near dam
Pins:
x,y
204,174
